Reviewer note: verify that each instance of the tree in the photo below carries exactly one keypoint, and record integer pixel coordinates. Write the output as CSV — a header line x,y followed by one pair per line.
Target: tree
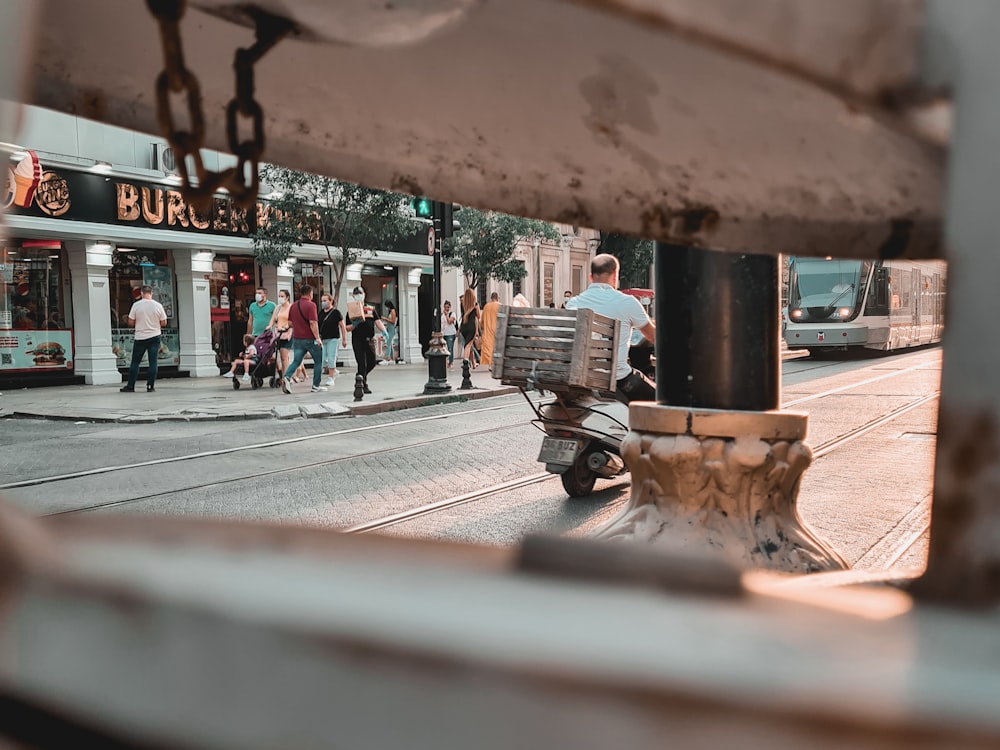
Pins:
x,y
634,255
348,220
484,246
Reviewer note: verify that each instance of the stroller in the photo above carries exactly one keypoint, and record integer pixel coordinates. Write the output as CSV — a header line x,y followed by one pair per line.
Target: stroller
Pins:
x,y
267,353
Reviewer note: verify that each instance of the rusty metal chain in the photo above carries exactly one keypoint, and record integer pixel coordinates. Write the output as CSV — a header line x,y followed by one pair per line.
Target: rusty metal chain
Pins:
x,y
242,181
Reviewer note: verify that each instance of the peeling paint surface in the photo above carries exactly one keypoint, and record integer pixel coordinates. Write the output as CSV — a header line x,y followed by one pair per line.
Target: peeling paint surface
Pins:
x,y
562,111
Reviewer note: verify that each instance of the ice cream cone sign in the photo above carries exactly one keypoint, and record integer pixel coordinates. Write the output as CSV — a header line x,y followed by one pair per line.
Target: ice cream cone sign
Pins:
x,y
27,174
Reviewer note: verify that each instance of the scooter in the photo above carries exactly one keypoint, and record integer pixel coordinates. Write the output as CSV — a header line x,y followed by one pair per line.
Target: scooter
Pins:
x,y
584,433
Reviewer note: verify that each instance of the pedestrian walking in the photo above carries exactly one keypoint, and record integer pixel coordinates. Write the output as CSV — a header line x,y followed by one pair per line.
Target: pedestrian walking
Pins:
x,y
470,322
147,317
488,323
449,329
362,323
283,329
261,312
305,338
389,321
333,332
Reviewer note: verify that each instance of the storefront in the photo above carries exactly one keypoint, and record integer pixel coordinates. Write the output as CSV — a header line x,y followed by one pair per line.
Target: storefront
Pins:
x,y
88,241
36,324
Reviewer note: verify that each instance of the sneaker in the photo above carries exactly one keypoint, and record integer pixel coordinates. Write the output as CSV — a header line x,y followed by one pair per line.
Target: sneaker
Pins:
x,y
286,386
126,389
330,381
318,388
246,378
226,375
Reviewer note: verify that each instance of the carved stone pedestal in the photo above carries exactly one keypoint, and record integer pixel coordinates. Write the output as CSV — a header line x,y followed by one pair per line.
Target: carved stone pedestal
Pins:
x,y
724,481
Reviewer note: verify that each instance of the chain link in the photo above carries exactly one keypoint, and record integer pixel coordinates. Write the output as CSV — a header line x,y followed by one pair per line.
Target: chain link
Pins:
x,y
243,180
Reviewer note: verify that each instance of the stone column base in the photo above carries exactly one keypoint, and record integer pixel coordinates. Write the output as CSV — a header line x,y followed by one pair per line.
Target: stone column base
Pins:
x,y
720,481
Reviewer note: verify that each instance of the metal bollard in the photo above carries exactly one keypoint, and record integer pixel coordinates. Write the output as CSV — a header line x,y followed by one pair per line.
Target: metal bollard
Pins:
x,y
359,387
466,379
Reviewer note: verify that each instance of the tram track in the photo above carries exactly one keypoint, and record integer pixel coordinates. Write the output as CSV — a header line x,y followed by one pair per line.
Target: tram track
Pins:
x,y
272,472
499,489
424,511
37,481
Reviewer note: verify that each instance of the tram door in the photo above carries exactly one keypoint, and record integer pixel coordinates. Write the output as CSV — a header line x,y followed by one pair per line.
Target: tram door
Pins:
x,y
916,294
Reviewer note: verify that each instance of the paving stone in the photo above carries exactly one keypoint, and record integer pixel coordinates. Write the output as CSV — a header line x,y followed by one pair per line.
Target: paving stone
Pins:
x,y
335,407
286,411
313,410
140,419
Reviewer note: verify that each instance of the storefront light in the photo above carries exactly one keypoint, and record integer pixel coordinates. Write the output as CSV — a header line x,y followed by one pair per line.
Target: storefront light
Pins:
x,y
101,166
353,272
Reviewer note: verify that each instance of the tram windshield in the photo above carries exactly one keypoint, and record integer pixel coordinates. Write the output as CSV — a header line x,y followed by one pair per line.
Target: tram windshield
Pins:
x,y
821,289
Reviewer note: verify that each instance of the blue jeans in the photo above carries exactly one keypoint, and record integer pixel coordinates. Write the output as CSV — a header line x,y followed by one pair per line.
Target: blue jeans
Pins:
x,y
390,334
330,349
139,349
450,341
299,349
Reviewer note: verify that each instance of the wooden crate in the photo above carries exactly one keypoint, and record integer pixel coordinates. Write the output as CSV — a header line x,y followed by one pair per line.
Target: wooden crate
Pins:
x,y
558,350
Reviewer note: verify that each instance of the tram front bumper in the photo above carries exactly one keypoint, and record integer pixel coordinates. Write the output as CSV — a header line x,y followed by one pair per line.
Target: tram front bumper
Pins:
x,y
821,335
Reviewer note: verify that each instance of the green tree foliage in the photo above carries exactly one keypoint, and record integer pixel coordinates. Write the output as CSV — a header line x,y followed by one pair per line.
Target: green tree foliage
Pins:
x,y
348,220
484,246
634,255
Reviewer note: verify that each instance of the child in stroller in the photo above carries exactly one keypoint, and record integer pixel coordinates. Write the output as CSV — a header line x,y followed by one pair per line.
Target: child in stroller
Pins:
x,y
267,353
243,363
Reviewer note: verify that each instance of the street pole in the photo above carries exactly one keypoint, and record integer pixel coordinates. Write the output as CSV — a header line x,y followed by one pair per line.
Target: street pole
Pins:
x,y
437,352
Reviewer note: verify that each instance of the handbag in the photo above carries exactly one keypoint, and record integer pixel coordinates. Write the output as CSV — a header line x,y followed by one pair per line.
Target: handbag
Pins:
x,y
285,334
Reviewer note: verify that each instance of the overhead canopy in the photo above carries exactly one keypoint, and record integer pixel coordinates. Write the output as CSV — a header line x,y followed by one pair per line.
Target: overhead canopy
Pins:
x,y
745,125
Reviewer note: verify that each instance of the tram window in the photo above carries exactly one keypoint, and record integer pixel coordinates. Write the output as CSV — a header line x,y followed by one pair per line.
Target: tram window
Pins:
x,y
878,301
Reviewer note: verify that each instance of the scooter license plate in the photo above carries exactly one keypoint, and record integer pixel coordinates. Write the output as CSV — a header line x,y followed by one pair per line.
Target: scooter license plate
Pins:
x,y
558,451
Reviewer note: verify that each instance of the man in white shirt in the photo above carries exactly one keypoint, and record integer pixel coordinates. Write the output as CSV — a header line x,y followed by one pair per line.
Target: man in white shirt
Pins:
x,y
602,296
148,317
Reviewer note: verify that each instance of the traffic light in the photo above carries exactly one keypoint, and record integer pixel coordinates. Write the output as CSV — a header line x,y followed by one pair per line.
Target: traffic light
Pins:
x,y
444,221
423,207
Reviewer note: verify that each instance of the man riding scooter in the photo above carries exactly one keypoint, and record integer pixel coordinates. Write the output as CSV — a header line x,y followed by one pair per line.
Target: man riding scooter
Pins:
x,y
602,296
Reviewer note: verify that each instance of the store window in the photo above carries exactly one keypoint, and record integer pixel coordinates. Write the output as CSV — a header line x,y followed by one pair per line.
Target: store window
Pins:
x,y
35,332
549,273
231,287
130,271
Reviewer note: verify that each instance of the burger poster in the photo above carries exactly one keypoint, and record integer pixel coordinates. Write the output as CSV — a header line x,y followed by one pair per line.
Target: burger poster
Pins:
x,y
36,350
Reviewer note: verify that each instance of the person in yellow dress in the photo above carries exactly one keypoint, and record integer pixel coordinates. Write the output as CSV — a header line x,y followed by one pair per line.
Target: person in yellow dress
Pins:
x,y
489,329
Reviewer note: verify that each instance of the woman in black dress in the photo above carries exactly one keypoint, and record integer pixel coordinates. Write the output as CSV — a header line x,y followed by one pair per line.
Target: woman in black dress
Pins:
x,y
361,322
470,322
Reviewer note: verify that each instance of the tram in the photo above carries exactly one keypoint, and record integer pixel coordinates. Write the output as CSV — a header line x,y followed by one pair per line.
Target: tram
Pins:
x,y
847,304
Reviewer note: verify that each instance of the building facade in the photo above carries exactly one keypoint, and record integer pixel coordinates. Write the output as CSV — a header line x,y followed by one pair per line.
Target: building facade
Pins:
x,y
106,217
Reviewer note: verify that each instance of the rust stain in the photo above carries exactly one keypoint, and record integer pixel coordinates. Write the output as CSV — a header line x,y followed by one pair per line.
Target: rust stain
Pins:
x,y
899,239
699,219
404,183
90,103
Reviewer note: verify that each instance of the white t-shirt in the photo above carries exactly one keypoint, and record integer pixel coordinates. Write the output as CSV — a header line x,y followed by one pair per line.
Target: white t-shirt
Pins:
x,y
606,300
449,329
147,314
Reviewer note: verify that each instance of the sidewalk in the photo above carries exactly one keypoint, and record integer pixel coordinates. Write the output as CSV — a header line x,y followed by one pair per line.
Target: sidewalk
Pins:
x,y
203,399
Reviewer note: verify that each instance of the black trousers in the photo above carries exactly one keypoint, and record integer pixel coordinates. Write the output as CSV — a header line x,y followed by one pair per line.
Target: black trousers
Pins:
x,y
364,355
635,387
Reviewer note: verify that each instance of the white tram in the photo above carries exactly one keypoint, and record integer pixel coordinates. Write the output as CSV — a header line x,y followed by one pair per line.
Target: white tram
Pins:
x,y
883,305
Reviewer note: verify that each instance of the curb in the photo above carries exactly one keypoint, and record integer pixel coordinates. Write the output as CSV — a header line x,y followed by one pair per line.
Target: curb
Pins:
x,y
456,396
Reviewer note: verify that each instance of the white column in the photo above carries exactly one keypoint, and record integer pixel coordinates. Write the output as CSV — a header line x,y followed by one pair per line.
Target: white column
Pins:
x,y
194,315
89,263
285,279
346,353
269,280
409,316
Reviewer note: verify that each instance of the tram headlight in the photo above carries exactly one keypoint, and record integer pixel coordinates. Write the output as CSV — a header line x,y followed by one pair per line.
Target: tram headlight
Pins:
x,y
844,312
796,314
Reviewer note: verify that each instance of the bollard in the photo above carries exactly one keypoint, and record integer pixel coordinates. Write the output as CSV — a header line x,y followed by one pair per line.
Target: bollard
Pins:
x,y
359,387
466,378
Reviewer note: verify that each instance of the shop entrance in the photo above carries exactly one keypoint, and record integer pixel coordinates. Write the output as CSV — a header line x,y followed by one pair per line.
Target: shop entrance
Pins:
x,y
130,271
232,285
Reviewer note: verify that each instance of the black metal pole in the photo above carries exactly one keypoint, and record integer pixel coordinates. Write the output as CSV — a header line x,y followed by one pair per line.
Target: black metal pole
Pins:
x,y
717,329
437,354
